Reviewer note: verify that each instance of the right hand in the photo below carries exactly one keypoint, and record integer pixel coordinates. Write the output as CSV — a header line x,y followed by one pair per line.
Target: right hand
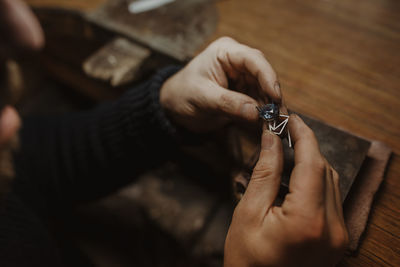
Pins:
x,y
308,229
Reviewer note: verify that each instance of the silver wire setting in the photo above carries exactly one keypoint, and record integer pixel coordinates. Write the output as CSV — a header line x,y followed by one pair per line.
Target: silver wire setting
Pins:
x,y
270,113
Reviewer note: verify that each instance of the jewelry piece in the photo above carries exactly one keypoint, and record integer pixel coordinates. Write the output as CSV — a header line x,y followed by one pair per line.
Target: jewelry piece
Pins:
x,y
270,113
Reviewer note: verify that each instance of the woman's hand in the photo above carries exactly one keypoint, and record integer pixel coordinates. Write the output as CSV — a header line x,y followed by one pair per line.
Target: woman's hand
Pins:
x,y
222,83
308,229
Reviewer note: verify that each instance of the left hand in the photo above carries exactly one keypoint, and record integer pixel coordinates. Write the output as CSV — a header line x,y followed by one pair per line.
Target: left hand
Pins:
x,y
221,84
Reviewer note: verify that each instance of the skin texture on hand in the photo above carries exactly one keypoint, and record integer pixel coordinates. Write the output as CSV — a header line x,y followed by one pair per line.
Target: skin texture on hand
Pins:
x,y
308,229
221,84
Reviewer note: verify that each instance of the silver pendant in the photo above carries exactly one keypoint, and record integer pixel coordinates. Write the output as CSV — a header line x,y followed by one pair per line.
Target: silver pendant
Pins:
x,y
270,113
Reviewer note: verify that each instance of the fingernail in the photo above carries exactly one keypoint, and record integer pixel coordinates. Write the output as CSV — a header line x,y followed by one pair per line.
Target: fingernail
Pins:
x,y
268,140
277,88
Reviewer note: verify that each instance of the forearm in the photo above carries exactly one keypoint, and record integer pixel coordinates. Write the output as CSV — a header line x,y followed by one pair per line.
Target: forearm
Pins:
x,y
85,155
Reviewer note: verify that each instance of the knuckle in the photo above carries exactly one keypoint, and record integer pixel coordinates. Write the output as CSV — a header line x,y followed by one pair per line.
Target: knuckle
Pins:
x,y
313,230
224,39
317,165
261,170
258,52
225,102
239,53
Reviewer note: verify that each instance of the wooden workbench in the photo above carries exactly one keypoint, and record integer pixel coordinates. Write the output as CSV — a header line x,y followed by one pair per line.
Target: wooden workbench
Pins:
x,y
338,61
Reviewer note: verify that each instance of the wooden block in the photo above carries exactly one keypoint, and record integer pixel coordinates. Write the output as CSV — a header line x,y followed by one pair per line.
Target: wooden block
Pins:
x,y
117,62
177,29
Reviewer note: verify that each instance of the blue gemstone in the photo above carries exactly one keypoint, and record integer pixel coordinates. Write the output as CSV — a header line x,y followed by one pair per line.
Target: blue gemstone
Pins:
x,y
269,112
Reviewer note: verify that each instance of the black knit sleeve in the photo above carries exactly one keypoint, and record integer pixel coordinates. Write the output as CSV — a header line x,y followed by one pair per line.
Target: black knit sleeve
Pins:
x,y
82,156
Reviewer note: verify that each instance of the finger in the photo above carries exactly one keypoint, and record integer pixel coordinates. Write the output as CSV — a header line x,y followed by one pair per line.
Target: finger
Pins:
x,y
23,29
10,123
254,62
338,197
307,183
283,109
332,214
232,104
252,88
265,180
245,59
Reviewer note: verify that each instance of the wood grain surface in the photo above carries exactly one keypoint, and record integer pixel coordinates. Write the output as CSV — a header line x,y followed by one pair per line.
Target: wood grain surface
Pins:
x,y
338,61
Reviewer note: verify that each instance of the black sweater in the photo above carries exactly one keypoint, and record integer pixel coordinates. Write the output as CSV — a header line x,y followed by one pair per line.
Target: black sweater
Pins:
x,y
69,159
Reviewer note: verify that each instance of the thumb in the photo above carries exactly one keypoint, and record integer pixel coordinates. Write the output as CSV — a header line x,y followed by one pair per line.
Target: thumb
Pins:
x,y
265,180
234,105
